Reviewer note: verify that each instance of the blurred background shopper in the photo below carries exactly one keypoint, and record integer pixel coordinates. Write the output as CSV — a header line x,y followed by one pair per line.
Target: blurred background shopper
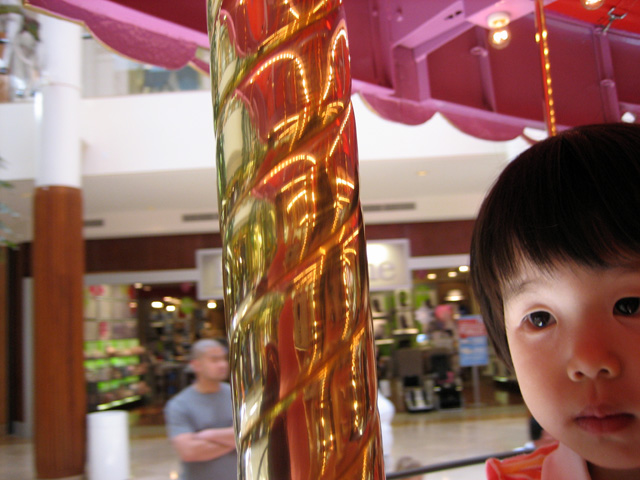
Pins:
x,y
199,419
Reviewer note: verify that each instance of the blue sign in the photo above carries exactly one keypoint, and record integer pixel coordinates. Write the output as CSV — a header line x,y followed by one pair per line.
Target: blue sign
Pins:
x,y
473,344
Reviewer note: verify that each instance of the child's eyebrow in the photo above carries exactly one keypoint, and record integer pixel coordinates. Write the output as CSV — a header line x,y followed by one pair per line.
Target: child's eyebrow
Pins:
x,y
515,288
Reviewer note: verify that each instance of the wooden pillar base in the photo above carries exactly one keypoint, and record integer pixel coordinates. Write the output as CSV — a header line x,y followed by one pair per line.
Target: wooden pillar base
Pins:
x,y
60,389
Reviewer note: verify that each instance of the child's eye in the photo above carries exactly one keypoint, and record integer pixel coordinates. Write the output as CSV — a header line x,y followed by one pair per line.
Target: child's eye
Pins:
x,y
627,306
540,319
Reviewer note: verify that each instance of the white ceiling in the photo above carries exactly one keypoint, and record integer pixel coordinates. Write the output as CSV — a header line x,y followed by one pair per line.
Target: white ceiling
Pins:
x,y
153,202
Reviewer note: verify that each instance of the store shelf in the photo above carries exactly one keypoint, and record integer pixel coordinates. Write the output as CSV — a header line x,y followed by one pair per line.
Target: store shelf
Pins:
x,y
406,331
113,364
118,403
113,372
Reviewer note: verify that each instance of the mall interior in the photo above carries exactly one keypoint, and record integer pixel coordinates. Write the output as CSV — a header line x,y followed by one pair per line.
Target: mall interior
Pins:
x,y
152,259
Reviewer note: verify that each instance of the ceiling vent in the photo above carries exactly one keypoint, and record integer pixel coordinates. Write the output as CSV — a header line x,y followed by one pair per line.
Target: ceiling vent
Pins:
x,y
389,207
95,222
199,217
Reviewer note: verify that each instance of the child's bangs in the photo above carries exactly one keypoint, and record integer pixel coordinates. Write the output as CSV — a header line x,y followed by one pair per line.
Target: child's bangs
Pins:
x,y
595,237
581,205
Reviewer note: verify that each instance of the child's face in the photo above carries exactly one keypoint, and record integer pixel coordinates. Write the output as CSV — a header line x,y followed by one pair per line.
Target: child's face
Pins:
x,y
574,336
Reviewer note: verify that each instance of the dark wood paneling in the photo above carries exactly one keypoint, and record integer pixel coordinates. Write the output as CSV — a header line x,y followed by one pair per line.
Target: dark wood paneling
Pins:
x,y
168,252
60,389
428,238
147,253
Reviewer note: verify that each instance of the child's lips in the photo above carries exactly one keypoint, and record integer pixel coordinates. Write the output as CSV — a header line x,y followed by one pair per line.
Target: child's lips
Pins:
x,y
599,422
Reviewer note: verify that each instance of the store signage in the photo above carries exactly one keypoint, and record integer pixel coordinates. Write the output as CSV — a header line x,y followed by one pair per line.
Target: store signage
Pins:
x,y
209,265
474,348
388,264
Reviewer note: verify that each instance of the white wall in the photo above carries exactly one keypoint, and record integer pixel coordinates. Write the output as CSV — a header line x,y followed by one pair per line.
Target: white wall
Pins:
x,y
136,133
149,159
156,132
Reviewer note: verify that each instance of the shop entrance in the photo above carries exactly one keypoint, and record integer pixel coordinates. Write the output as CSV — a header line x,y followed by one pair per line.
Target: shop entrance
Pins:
x,y
138,336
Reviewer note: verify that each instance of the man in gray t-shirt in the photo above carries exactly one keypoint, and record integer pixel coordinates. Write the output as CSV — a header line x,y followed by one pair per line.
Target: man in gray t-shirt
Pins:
x,y
200,418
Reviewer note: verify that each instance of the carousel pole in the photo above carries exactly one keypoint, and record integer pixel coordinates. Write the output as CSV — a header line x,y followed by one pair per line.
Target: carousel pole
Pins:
x,y
295,270
545,65
58,261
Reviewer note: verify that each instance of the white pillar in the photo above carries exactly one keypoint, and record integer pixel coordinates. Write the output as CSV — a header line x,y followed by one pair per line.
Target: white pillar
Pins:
x,y
58,104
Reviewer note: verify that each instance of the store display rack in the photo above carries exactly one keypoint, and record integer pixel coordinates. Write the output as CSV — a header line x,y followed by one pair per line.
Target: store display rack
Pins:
x,y
113,370
114,359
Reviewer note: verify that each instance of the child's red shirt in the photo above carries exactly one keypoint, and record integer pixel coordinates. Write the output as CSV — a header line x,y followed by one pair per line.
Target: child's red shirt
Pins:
x,y
551,462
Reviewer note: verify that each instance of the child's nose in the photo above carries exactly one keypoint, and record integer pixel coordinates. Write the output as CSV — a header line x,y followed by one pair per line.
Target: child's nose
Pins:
x,y
593,355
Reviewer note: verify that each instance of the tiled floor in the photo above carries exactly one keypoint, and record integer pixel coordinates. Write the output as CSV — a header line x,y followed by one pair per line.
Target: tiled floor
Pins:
x,y
426,438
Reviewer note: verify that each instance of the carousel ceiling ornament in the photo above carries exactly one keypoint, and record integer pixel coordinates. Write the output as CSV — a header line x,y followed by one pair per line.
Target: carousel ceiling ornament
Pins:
x,y
167,34
411,59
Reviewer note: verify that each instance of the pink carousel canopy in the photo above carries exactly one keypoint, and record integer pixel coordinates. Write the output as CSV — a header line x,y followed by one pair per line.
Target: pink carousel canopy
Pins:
x,y
412,58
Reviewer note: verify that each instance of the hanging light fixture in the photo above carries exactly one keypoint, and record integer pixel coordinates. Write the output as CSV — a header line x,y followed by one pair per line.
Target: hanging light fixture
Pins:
x,y
498,20
499,31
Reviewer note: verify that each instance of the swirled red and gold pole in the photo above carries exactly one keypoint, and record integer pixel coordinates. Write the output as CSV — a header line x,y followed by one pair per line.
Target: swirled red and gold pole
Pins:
x,y
295,269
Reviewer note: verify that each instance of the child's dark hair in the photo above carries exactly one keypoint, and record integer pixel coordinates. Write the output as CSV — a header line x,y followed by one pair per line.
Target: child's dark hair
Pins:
x,y
574,197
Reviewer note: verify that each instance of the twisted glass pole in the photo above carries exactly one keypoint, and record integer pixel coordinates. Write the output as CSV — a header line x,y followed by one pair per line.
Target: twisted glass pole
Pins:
x,y
295,269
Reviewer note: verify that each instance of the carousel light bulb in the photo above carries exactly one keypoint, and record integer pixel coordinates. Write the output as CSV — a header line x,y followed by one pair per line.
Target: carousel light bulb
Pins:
x,y
500,38
592,4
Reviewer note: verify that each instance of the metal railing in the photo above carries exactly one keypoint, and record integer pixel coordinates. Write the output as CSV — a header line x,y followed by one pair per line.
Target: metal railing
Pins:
x,y
465,462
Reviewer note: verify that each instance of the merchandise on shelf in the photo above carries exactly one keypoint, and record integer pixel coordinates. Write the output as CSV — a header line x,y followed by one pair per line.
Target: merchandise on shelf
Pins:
x,y
113,355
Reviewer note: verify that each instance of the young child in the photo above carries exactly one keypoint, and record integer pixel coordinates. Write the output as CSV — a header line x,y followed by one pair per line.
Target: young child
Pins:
x,y
555,263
